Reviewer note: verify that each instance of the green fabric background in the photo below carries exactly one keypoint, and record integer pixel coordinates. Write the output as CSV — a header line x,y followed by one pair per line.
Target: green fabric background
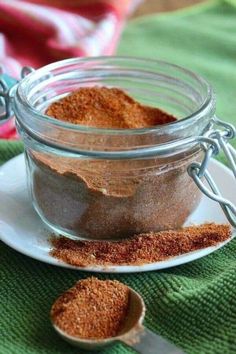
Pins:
x,y
193,305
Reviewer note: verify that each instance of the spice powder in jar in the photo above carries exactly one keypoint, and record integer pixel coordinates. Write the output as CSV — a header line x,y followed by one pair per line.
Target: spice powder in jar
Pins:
x,y
111,199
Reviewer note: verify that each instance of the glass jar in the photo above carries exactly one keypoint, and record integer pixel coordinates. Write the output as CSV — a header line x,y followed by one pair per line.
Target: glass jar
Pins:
x,y
94,183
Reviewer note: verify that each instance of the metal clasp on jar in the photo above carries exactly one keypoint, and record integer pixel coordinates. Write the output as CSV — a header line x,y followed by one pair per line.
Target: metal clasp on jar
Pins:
x,y
218,141
6,85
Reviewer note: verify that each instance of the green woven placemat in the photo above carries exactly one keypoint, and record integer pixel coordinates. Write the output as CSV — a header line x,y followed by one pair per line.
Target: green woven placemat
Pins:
x,y
202,39
193,305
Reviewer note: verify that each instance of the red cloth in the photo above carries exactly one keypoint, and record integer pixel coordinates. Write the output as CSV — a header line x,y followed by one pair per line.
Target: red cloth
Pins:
x,y
37,32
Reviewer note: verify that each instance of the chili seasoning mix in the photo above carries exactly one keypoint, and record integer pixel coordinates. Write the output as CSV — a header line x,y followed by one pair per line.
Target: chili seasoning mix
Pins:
x,y
112,199
140,249
92,309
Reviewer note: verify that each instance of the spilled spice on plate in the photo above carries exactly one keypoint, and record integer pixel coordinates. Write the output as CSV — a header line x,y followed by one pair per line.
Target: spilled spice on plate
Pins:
x,y
92,308
140,249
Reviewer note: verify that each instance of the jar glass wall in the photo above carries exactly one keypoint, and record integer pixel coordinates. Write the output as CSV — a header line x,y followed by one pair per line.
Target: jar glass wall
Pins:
x,y
111,183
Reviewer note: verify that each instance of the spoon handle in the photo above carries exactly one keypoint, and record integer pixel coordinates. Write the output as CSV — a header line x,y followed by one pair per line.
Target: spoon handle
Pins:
x,y
151,343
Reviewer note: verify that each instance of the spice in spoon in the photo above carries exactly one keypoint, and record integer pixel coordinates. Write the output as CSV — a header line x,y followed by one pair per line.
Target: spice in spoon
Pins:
x,y
140,249
92,309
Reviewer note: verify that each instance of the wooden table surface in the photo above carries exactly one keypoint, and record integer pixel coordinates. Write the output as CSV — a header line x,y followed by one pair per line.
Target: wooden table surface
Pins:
x,y
155,6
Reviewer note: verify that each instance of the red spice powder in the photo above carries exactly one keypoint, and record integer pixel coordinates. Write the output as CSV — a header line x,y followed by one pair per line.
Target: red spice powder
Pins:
x,y
104,107
92,309
90,197
140,249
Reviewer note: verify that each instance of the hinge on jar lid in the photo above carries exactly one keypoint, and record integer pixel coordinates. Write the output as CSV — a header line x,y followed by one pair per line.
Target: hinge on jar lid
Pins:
x,y
198,171
6,85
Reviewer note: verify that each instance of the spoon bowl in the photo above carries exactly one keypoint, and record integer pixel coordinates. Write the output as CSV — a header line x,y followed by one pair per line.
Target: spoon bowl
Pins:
x,y
128,334
132,333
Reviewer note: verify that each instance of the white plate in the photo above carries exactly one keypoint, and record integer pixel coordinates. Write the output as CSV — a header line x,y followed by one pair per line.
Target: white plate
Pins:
x,y
22,229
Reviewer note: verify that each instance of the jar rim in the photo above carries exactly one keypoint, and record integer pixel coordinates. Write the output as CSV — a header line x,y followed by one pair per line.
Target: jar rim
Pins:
x,y
21,95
